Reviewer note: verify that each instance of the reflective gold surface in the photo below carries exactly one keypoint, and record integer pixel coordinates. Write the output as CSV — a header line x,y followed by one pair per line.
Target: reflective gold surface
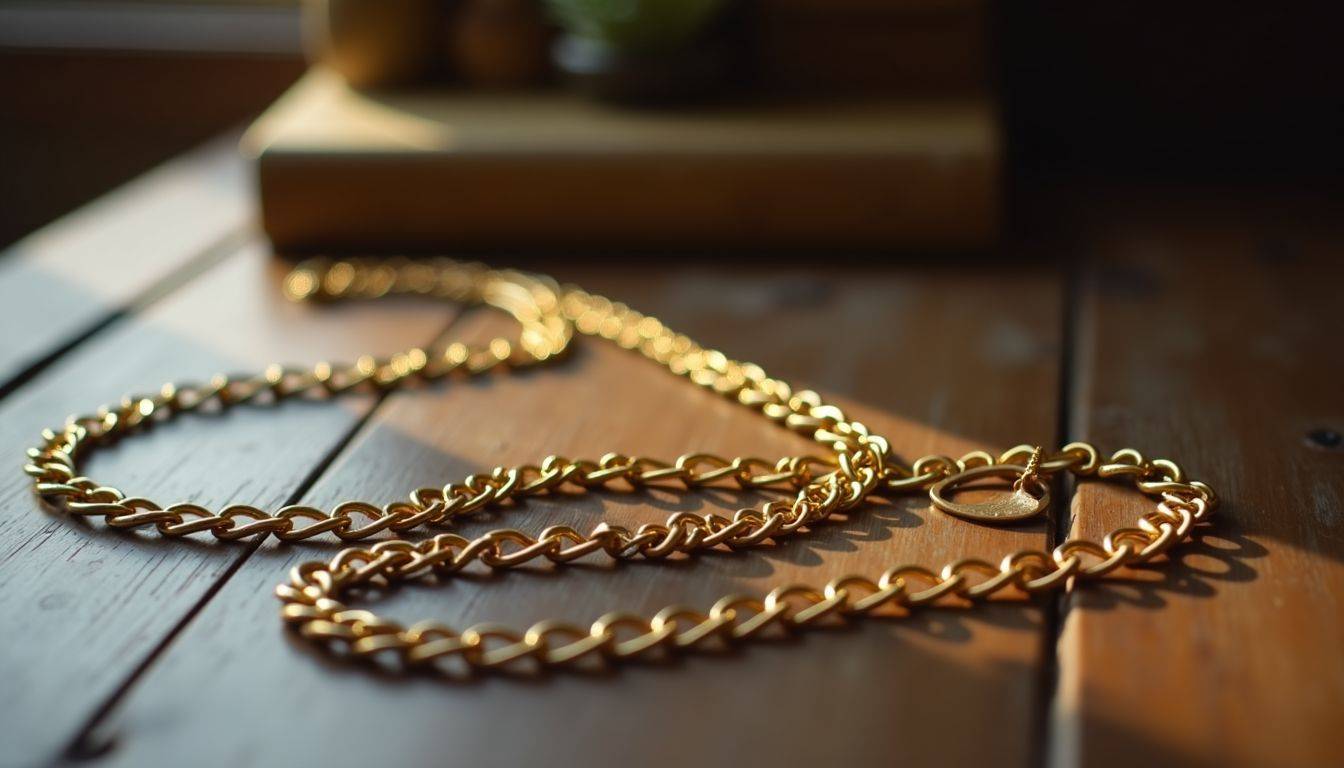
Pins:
x,y
859,464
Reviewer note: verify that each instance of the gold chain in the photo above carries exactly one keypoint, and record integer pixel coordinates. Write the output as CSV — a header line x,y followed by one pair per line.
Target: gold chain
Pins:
x,y
860,465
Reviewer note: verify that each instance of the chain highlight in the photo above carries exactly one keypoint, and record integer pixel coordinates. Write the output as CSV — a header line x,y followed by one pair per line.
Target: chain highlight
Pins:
x,y
860,465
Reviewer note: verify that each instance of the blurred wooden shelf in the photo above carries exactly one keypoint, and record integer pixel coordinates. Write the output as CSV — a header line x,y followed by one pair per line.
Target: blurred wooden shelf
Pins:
x,y
343,169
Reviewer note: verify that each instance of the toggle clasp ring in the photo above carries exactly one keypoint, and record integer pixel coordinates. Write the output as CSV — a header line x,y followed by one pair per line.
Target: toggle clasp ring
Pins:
x,y
1019,505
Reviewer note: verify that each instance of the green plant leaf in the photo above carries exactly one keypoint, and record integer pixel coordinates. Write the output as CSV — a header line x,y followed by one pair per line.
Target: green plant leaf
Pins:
x,y
635,25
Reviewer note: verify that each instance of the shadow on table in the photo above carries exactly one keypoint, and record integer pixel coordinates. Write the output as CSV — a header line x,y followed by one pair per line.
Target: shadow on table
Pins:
x,y
1215,554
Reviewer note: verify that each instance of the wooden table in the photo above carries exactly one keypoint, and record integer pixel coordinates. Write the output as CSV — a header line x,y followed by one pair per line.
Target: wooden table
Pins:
x,y
1190,326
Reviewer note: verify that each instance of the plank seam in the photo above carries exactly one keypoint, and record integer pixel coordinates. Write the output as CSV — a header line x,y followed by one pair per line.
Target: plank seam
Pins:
x,y
194,267
89,742
1058,526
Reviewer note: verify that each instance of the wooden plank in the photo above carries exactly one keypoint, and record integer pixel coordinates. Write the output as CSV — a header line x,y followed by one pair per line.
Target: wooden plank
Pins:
x,y
935,360
85,605
67,278
1211,336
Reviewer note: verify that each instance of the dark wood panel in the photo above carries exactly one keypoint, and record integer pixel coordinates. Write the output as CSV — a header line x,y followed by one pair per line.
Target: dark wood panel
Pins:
x,y
888,690
1210,335
62,281
79,122
86,605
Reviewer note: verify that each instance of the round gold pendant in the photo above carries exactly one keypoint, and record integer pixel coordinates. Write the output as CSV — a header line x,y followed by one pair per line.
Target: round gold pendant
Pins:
x,y
1018,505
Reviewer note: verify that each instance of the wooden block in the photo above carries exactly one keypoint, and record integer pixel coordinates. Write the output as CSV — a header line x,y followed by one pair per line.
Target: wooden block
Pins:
x,y
341,170
95,603
1199,343
904,688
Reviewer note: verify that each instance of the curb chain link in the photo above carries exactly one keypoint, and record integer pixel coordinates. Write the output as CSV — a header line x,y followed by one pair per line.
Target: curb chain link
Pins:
x,y
549,314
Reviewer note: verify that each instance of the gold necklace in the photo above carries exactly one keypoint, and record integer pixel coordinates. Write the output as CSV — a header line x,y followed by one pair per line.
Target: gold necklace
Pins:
x,y
860,465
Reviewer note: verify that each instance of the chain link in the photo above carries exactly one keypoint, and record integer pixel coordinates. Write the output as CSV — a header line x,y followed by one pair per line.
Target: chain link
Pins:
x,y
861,465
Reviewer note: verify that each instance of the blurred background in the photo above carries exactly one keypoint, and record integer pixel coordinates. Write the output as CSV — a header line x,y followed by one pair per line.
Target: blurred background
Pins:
x,y
1051,94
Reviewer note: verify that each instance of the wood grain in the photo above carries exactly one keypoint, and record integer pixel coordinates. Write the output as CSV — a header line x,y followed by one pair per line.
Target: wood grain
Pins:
x,y
1210,335
84,606
66,279
884,691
